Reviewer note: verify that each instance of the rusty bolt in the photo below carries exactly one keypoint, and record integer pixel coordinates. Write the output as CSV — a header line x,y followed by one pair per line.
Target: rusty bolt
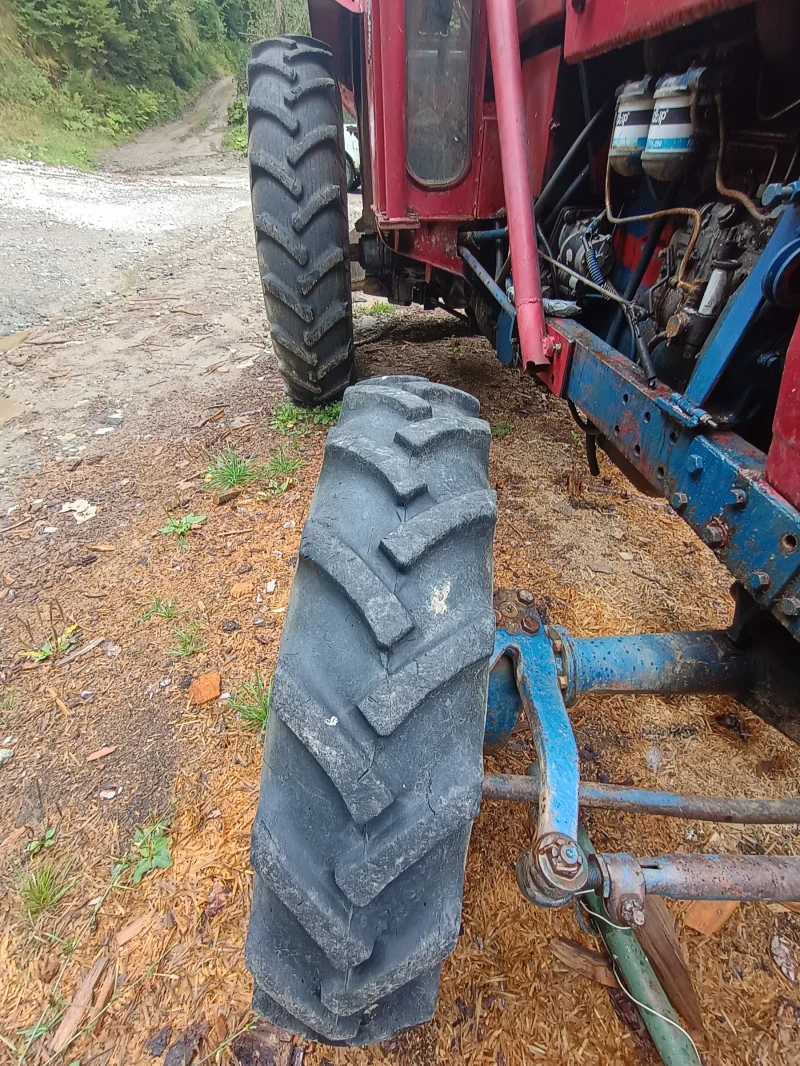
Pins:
x,y
713,536
509,610
562,856
557,348
737,497
679,500
694,464
562,681
525,597
558,646
569,854
530,624
759,579
498,618
790,606
632,911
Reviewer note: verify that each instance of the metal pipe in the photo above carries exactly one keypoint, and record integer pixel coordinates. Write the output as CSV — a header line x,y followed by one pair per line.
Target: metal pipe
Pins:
x,y
393,54
654,662
535,344
672,1043
648,251
487,280
552,217
525,789
478,235
765,878
550,190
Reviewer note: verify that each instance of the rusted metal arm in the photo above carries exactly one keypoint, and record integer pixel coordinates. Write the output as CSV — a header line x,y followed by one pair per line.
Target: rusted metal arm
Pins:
x,y
526,789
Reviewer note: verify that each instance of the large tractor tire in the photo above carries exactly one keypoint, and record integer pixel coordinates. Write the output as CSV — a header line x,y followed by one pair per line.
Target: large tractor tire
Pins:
x,y
298,185
373,752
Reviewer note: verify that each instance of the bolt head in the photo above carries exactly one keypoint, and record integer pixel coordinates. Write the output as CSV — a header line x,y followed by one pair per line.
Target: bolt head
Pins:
x,y
713,536
569,854
632,911
790,606
530,624
679,500
558,646
737,497
759,579
694,463
524,596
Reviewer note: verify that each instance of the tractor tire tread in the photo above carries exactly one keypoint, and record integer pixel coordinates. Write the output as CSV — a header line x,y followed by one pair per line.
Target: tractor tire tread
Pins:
x,y
372,760
297,177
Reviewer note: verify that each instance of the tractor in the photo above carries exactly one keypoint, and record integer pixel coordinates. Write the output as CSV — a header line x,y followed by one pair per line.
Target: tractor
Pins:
x,y
609,192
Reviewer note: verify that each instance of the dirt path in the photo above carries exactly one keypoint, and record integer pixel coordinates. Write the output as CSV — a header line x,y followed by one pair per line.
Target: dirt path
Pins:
x,y
192,144
119,401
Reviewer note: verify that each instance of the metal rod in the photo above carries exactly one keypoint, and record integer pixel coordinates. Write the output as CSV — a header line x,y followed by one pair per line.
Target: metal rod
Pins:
x,y
552,217
393,53
488,281
478,235
550,190
672,1042
535,344
766,878
525,789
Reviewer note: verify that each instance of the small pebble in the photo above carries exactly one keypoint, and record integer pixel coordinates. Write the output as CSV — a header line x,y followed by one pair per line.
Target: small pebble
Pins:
x,y
6,754
229,626
258,622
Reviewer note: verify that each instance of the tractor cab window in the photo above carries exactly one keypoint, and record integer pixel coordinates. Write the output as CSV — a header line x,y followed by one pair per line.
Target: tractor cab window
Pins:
x,y
438,98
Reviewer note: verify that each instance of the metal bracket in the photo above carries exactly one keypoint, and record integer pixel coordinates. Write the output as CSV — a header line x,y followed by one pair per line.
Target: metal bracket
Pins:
x,y
554,868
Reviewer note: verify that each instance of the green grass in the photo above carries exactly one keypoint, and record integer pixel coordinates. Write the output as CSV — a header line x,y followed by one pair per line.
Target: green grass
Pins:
x,y
188,641
500,430
281,465
228,470
181,527
380,307
158,608
235,139
252,702
8,702
41,887
288,419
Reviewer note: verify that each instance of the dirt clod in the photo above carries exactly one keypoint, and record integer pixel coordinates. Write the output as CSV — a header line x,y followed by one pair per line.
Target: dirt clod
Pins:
x,y
206,688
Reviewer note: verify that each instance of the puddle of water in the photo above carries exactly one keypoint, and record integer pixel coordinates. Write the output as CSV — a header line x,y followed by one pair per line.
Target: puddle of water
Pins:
x,y
9,408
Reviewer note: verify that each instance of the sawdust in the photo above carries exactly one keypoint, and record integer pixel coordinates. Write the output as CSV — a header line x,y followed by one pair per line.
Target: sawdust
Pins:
x,y
505,999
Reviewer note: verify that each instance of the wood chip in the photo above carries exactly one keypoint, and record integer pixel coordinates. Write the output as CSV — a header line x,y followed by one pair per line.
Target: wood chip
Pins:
x,y
661,945
73,655
242,588
54,696
133,929
104,993
101,753
100,548
228,496
82,1001
707,916
8,842
592,964
185,311
783,955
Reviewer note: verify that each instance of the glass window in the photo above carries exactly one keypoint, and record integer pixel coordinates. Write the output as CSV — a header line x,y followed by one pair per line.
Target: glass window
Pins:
x,y
438,98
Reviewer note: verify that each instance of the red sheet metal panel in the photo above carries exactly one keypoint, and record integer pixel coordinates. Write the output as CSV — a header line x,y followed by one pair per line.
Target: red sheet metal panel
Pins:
x,y
539,78
596,26
783,458
534,13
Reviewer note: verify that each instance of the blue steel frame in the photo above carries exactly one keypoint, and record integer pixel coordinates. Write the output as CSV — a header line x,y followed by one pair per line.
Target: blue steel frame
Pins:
x,y
714,479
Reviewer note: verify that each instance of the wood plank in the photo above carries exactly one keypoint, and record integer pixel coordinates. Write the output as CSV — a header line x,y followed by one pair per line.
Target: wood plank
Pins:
x,y
592,964
71,1021
707,916
660,942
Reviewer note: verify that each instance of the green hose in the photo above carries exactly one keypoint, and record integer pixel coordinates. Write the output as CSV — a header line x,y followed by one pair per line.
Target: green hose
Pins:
x,y
671,1040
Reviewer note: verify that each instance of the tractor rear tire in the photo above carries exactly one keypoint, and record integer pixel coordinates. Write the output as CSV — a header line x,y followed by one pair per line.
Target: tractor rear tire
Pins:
x,y
373,750
298,186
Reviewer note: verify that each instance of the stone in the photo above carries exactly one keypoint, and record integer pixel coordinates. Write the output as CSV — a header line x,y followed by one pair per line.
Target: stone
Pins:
x,y
205,688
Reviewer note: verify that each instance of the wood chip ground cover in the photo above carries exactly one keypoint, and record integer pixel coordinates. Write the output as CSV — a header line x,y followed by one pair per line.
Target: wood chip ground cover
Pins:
x,y
599,557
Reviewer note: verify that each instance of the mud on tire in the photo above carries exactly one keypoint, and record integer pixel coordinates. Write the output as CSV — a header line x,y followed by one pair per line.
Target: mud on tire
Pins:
x,y
298,188
373,753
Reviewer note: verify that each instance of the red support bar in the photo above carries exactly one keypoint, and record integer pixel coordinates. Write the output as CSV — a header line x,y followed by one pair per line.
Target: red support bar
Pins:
x,y
783,458
536,346
393,58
